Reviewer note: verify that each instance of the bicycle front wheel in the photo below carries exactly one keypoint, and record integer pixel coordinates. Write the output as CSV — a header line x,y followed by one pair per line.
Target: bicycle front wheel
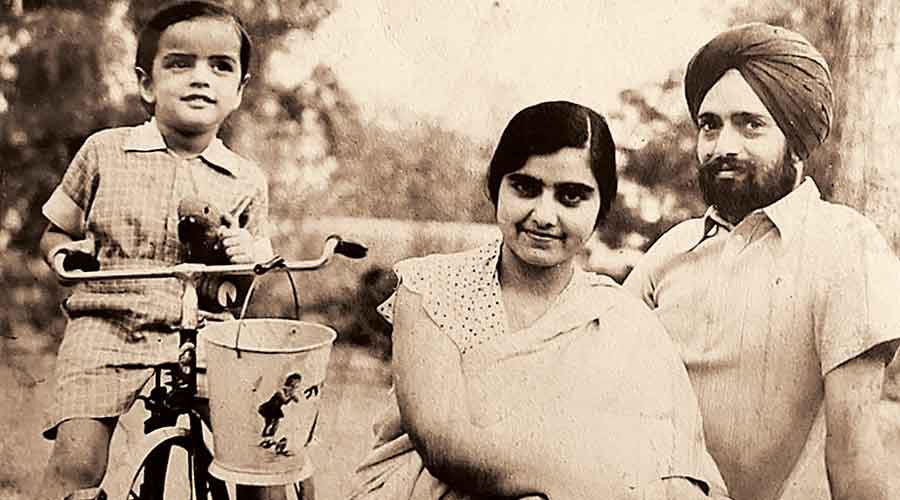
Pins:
x,y
167,468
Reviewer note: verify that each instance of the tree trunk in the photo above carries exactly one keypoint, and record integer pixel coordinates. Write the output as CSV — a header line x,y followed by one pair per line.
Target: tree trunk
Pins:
x,y
867,81
867,84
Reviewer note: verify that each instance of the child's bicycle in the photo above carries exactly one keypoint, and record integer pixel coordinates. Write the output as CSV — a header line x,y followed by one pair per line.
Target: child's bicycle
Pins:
x,y
174,392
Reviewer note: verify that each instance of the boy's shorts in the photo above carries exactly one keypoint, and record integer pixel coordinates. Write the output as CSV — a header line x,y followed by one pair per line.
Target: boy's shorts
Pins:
x,y
102,367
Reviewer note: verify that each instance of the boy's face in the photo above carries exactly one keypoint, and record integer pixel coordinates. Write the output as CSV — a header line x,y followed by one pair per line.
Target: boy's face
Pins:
x,y
291,388
196,80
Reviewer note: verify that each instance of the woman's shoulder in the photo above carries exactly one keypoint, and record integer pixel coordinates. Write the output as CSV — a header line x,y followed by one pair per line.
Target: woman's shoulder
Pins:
x,y
442,280
445,267
459,258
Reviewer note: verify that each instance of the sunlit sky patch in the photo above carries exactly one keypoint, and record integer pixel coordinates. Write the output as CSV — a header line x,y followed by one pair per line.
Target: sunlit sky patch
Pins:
x,y
470,64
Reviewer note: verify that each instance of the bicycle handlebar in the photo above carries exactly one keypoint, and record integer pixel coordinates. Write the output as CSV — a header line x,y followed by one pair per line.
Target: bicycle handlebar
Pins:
x,y
334,244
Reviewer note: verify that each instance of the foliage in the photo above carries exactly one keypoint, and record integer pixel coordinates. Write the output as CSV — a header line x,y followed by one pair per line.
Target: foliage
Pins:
x,y
55,89
50,78
425,174
657,165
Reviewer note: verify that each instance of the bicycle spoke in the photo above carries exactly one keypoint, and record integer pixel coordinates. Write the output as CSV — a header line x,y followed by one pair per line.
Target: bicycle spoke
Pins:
x,y
191,478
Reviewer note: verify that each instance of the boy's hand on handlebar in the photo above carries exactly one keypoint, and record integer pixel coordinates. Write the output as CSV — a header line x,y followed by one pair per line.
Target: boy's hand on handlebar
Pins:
x,y
78,255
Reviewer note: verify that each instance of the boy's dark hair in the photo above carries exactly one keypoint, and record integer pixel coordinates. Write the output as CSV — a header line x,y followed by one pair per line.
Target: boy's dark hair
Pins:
x,y
548,127
292,377
148,40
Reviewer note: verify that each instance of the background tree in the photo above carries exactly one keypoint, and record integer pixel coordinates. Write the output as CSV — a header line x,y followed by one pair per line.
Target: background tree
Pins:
x,y
868,78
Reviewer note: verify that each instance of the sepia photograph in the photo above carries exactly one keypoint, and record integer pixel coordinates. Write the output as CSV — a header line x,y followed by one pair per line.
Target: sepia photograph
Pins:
x,y
449,250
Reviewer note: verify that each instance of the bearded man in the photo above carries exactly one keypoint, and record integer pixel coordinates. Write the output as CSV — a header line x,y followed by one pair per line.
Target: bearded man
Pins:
x,y
786,307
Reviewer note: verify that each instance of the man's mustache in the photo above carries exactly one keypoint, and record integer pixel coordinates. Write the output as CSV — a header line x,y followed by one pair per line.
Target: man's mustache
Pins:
x,y
726,163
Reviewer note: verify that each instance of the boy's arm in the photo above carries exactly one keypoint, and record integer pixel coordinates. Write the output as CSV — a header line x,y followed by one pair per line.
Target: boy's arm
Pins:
x,y
53,238
66,208
79,253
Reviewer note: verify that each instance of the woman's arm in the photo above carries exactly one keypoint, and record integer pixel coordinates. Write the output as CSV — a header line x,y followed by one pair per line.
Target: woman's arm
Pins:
x,y
430,390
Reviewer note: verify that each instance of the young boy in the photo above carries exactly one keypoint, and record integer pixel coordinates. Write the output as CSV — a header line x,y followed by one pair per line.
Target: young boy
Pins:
x,y
119,200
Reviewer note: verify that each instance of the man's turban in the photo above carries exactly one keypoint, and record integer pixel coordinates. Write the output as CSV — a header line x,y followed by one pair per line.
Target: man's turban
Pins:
x,y
788,74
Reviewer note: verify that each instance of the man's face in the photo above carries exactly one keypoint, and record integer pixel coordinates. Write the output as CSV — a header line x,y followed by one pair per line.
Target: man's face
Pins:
x,y
744,160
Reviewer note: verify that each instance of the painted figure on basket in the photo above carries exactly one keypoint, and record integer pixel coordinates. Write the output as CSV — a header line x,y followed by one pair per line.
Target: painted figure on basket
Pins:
x,y
271,411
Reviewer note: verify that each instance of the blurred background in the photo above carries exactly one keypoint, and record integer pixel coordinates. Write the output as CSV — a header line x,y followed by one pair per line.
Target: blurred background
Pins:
x,y
374,120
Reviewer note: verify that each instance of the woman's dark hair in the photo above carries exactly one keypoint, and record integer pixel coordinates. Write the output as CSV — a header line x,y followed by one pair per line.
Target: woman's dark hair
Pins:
x,y
148,40
548,127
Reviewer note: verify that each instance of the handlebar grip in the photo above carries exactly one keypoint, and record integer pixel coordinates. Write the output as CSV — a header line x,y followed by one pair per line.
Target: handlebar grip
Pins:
x,y
351,249
78,261
76,255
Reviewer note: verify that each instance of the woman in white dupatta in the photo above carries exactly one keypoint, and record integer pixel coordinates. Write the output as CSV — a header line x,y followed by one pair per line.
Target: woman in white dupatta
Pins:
x,y
516,373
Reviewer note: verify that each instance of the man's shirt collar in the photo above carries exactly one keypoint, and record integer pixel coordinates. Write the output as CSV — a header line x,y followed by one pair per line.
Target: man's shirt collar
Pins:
x,y
712,224
786,214
147,137
789,213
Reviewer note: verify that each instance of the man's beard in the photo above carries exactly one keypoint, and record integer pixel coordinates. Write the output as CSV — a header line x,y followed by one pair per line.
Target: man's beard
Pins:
x,y
734,199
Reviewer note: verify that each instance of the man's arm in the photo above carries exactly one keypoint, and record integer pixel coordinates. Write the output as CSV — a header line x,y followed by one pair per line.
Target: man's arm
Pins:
x,y
854,452
431,395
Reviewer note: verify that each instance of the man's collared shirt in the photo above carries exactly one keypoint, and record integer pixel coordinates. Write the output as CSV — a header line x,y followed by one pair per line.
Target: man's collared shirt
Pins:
x,y
762,311
123,188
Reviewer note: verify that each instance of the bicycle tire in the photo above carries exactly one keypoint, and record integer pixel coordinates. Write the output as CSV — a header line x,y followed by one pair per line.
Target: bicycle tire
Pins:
x,y
179,480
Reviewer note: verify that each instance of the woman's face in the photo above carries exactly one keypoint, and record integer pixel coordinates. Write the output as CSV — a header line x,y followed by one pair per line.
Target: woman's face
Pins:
x,y
547,209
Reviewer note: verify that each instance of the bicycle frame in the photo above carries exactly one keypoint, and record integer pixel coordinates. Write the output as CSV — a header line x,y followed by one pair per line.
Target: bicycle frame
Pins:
x,y
167,404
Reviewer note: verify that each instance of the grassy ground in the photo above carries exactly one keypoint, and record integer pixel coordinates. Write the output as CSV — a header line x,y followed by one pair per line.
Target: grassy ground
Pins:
x,y
356,390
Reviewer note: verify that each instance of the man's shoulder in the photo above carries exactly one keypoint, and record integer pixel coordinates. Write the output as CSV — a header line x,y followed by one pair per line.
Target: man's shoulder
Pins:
x,y
836,221
681,237
838,236
621,300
